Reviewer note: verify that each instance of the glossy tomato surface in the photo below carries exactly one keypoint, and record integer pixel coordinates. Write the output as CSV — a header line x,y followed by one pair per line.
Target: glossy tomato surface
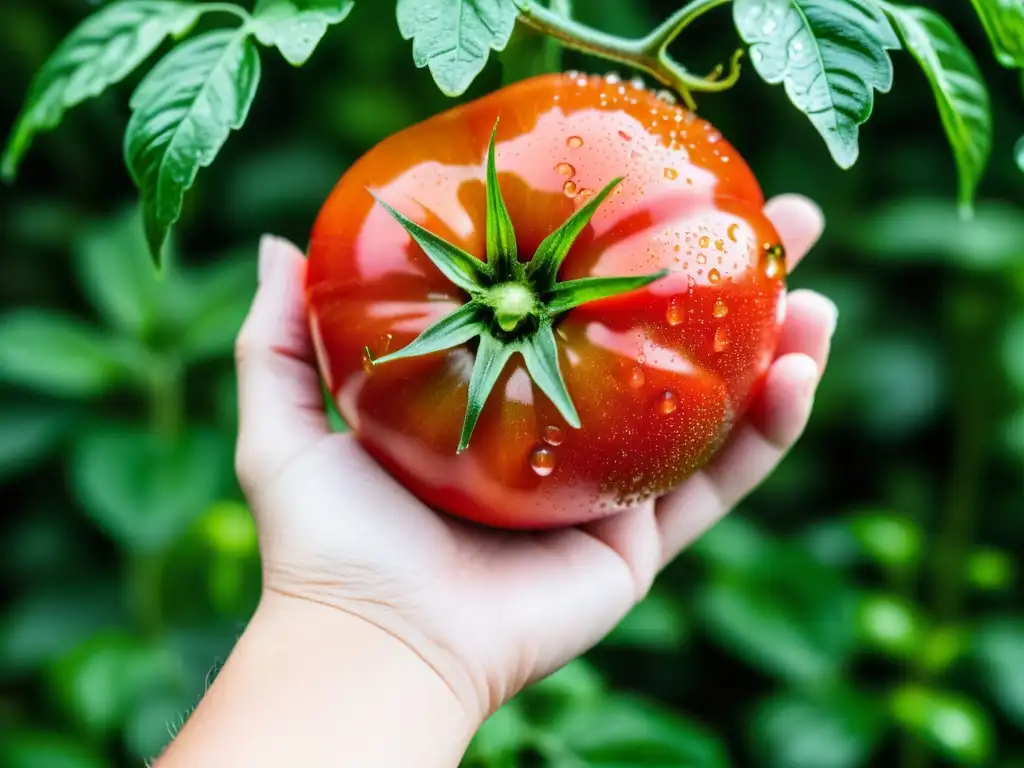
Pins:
x,y
658,376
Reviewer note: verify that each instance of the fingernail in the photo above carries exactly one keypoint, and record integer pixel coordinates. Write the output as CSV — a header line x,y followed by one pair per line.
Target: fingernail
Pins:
x,y
269,249
833,316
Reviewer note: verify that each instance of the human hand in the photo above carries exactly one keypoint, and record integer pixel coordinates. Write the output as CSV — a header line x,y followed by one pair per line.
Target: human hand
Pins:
x,y
489,611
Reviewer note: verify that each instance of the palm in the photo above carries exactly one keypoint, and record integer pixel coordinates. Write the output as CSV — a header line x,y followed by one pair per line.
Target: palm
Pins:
x,y
490,610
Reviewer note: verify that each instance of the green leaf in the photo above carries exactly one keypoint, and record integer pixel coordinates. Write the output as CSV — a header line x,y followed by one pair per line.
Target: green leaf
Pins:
x,y
573,293
835,728
547,260
541,354
928,230
491,356
118,277
101,680
952,723
891,624
40,749
1004,24
295,27
462,269
152,722
501,237
144,491
450,331
59,355
998,654
29,431
211,304
182,113
101,51
502,736
656,623
830,54
990,569
1018,152
628,732
959,90
890,539
454,37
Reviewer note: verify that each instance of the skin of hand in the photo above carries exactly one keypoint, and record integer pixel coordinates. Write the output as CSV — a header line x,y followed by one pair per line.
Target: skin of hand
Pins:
x,y
358,572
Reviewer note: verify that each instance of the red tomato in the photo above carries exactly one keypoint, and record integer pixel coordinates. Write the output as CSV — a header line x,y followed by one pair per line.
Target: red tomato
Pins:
x,y
658,375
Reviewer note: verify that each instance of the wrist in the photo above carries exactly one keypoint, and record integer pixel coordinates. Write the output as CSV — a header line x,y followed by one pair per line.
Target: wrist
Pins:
x,y
310,684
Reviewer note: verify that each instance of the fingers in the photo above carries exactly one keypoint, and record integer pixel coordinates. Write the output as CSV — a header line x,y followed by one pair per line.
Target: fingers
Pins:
x,y
799,222
774,423
279,396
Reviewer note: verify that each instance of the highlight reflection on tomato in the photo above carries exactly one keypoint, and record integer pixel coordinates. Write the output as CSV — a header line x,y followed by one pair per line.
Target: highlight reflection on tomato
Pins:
x,y
657,374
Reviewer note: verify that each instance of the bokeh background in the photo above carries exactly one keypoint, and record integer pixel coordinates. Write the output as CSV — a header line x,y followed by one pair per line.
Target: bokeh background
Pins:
x,y
863,608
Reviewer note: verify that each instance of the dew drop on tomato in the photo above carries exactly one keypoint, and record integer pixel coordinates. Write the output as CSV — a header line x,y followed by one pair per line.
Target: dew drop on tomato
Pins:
x,y
574,142
636,378
731,231
721,339
569,188
553,435
714,276
668,402
543,461
565,169
721,308
773,261
671,173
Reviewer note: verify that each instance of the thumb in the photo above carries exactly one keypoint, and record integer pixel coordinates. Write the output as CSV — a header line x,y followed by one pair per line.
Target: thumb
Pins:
x,y
280,404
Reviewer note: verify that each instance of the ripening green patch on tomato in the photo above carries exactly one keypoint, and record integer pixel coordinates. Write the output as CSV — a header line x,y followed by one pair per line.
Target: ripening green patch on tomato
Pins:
x,y
543,345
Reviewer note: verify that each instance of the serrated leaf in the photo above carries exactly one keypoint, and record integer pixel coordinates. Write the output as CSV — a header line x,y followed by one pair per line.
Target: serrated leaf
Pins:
x,y
959,90
58,355
1004,24
296,27
831,55
182,113
101,51
455,37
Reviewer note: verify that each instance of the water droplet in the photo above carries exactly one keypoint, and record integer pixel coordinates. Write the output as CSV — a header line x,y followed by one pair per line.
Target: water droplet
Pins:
x,y
714,276
641,358
796,48
667,96
671,173
769,26
569,188
612,78
673,315
553,435
721,339
638,83
701,258
704,241
565,169
586,192
773,261
625,136
636,378
720,310
367,362
542,461
668,402
755,55
720,244
574,142
731,231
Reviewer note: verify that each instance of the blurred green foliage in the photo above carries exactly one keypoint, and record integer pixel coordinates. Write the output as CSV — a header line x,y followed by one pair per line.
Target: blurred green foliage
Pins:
x,y
862,608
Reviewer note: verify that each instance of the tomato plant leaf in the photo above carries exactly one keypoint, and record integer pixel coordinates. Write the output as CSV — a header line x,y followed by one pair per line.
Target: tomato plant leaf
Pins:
x,y
997,653
501,237
455,37
831,55
182,113
462,269
541,354
101,51
1018,152
547,260
450,331
491,356
572,293
144,490
296,27
52,353
927,713
1004,24
959,90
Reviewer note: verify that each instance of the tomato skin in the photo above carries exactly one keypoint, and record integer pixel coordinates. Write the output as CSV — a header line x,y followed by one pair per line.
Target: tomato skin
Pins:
x,y
658,376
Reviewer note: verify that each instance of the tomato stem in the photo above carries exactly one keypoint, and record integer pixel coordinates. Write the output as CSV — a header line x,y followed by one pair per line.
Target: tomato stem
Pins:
x,y
513,303
648,54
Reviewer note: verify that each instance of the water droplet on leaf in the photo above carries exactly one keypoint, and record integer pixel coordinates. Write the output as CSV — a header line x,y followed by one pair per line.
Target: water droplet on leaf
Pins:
x,y
543,461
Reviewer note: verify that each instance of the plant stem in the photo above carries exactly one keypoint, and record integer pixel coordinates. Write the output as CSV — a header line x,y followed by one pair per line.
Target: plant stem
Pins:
x,y
648,54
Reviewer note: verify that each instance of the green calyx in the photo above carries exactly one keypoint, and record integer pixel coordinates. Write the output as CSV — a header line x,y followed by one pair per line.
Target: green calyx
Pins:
x,y
513,307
